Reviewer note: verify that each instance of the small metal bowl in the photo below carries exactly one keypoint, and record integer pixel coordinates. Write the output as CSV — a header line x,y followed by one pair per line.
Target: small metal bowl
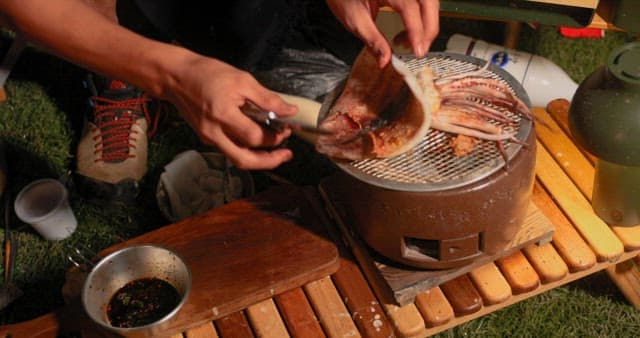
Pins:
x,y
128,264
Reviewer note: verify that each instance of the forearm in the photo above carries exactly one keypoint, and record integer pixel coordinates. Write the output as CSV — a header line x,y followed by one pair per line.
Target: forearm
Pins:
x,y
76,32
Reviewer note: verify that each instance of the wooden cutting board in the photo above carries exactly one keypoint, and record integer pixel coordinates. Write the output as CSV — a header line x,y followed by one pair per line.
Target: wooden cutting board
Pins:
x,y
239,254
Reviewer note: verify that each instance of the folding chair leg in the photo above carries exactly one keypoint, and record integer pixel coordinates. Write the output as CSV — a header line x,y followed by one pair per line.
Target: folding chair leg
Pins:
x,y
626,276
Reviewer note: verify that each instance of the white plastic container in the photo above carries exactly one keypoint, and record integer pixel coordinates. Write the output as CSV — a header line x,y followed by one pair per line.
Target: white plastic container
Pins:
x,y
542,79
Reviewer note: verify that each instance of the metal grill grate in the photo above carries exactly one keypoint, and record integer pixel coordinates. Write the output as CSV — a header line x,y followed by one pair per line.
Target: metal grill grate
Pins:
x,y
432,165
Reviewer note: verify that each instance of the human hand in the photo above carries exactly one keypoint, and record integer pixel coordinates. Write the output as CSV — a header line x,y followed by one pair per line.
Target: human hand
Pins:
x,y
209,95
420,17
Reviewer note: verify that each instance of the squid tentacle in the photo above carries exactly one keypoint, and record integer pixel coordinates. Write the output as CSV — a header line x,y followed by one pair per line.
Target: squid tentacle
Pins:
x,y
464,130
478,108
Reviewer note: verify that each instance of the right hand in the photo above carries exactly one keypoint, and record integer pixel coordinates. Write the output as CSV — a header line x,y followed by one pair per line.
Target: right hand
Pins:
x,y
209,94
420,17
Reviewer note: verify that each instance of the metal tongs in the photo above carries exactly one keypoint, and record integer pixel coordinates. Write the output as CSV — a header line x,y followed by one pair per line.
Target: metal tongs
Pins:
x,y
271,120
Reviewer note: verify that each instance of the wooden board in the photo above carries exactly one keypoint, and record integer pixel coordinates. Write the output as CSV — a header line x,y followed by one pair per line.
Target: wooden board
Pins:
x,y
403,283
239,254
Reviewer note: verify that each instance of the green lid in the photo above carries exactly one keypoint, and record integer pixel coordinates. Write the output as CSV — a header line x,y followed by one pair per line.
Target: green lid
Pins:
x,y
624,63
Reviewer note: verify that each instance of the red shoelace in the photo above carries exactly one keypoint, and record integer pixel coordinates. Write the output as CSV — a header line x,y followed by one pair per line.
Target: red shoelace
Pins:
x,y
113,119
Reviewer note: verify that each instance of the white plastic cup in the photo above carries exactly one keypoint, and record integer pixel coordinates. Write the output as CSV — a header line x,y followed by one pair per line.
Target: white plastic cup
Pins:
x,y
44,204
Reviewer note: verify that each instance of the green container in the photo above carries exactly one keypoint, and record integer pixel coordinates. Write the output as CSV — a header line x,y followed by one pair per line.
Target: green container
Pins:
x,y
616,193
605,120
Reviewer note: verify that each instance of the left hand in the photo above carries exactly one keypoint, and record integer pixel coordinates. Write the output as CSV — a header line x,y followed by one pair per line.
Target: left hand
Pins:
x,y
420,17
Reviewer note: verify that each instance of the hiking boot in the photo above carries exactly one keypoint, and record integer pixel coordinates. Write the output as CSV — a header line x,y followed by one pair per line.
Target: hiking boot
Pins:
x,y
112,153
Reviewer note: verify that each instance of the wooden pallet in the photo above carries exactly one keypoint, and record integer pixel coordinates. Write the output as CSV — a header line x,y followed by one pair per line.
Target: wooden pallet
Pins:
x,y
346,304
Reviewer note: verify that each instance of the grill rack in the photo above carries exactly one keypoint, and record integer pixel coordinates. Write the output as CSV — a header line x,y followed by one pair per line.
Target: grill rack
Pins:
x,y
431,165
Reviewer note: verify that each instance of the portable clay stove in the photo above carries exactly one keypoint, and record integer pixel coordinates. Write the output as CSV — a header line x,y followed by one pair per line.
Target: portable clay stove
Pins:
x,y
429,208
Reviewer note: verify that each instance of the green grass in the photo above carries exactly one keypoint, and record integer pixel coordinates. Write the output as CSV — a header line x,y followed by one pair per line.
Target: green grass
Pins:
x,y
41,123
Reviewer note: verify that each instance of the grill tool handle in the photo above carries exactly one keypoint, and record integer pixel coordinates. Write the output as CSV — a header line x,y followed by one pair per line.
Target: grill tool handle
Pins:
x,y
301,125
308,112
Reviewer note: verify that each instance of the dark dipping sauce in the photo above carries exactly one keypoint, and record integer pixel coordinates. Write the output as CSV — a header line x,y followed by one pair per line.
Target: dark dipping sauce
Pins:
x,y
141,302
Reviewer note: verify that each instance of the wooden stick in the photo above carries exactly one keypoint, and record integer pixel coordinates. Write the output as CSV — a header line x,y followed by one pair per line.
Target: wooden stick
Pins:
x,y
407,320
434,307
206,330
363,306
234,325
561,147
298,314
265,319
546,261
519,273
333,314
491,284
462,295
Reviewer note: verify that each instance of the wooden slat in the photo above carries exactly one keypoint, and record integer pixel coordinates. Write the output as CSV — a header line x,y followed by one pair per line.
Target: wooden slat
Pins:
x,y
564,151
298,314
434,307
333,315
602,240
630,236
519,273
560,114
265,320
206,330
491,284
406,319
462,296
546,261
362,304
570,245
234,325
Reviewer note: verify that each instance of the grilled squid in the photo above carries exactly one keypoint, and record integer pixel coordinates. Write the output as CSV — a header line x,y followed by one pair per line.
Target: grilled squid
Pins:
x,y
386,112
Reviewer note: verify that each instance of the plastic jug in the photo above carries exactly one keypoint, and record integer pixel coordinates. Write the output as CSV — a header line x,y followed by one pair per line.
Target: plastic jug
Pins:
x,y
542,79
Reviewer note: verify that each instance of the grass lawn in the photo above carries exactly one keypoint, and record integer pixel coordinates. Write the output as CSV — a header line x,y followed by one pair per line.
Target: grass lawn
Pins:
x,y
41,122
